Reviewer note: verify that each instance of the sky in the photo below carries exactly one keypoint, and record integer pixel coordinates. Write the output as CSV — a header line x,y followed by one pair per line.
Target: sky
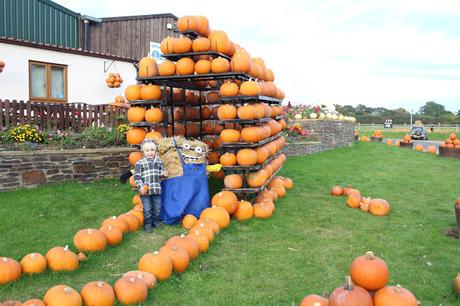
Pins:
x,y
388,53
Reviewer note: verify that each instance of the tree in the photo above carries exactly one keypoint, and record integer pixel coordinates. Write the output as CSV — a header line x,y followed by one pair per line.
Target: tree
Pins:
x,y
433,109
458,113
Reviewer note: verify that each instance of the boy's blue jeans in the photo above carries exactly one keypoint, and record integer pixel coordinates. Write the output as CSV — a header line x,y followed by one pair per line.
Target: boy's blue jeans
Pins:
x,y
151,205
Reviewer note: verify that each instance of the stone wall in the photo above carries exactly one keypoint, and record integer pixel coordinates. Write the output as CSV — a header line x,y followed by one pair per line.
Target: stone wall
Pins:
x,y
28,169
329,134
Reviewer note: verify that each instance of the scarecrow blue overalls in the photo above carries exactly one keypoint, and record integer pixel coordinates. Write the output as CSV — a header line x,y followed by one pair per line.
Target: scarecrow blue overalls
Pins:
x,y
186,194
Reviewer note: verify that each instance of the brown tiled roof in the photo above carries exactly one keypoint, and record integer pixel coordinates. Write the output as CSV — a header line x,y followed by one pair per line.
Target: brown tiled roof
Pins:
x,y
57,48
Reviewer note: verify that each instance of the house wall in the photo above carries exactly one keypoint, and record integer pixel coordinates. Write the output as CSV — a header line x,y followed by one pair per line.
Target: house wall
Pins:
x,y
86,76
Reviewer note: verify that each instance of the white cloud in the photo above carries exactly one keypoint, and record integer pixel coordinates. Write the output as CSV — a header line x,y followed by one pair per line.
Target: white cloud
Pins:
x,y
378,53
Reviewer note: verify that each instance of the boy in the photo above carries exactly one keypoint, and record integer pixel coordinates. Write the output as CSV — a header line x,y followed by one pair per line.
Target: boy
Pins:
x,y
147,173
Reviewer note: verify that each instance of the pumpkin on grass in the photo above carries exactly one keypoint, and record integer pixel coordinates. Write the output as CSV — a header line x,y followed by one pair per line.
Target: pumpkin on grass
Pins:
x,y
187,243
379,207
233,181
179,256
90,240
218,214
225,199
189,221
33,302
148,278
244,211
159,265
112,233
204,230
10,270
130,290
61,259
11,302
336,191
98,293
314,300
33,263
201,240
349,295
62,295
369,271
394,295
354,200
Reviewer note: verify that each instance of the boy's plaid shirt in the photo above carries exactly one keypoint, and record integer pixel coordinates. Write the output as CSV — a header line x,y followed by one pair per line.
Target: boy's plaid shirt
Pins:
x,y
148,172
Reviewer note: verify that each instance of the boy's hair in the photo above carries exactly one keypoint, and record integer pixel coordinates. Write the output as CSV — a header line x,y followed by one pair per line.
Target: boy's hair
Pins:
x,y
148,142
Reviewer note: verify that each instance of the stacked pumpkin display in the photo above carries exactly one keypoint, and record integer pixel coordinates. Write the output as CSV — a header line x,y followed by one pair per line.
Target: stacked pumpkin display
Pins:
x,y
452,142
377,207
377,136
113,80
366,285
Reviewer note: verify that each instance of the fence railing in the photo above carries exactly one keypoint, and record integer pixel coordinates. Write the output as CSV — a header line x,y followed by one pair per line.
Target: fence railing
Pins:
x,y
62,116
406,127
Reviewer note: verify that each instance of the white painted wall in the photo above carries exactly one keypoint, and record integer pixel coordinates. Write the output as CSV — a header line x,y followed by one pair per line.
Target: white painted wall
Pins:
x,y
86,77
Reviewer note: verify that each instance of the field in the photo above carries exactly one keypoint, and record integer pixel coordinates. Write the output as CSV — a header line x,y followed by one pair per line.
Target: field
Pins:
x,y
306,247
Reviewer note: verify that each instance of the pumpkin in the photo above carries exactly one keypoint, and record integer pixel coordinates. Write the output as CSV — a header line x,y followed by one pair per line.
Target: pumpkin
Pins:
x,y
419,147
212,224
233,181
226,111
188,24
262,155
98,293
138,212
262,211
90,240
148,278
11,302
130,290
33,263
288,183
354,200
453,136
280,190
204,230
407,138
154,115
257,178
134,157
133,222
182,45
336,191
117,222
246,112
200,239
230,135
186,243
431,149
112,233
147,67
225,199
150,92
314,300
394,295
364,205
457,280
158,264
246,157
167,68
136,114
269,194
220,65
228,159
240,64
62,295
218,214
203,66
185,66
188,221
379,207
249,88
276,181
219,41
243,211
213,157
228,89
135,135
251,134
61,259
34,302
201,44
369,271
82,256
349,294
213,97
10,270
457,202
203,26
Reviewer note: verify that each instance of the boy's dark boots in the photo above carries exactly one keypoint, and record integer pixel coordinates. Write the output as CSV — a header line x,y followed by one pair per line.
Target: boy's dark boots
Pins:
x,y
148,229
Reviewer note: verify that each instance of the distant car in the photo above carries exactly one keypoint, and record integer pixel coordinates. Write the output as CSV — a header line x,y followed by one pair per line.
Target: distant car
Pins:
x,y
418,132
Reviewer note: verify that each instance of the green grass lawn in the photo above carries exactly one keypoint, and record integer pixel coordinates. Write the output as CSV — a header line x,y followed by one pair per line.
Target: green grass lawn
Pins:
x,y
306,247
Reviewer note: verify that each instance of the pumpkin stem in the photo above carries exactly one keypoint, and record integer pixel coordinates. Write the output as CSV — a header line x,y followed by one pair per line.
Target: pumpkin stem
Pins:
x,y
317,304
370,255
398,289
33,256
132,279
156,253
182,236
197,233
4,259
110,227
66,248
348,283
100,284
68,290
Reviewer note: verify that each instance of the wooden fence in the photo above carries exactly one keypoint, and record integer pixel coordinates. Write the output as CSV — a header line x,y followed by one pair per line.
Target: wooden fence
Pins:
x,y
62,116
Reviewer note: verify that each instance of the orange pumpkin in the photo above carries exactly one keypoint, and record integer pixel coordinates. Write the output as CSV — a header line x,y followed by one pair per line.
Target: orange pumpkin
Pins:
x,y
62,295
182,45
147,67
148,278
262,211
226,111
218,214
135,135
200,239
246,157
98,293
228,159
34,302
201,44
240,64
134,157
150,92
136,114
336,191
257,178
228,89
179,256
10,270
230,135
280,191
251,134
219,41
314,300
153,115
457,279
369,271
225,199
394,295
188,221
246,112
233,181
90,240
203,66
379,207
112,233
243,211
61,259
185,66
130,290
158,264
349,294
249,88
419,147
407,138
354,200
220,65
133,92
33,263
186,243
188,24
167,68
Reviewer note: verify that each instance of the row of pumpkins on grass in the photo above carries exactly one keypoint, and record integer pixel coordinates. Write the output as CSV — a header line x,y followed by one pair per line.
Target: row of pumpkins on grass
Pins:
x,y
366,285
174,256
377,207
223,112
86,240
